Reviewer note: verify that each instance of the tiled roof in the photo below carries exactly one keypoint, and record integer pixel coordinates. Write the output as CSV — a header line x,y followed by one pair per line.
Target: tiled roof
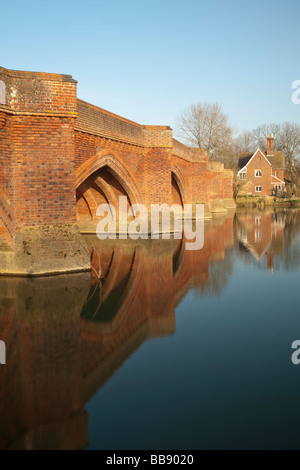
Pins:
x,y
276,180
277,160
243,161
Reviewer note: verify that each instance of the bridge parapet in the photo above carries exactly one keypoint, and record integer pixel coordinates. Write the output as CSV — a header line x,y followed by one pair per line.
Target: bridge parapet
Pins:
x,y
100,122
35,92
187,153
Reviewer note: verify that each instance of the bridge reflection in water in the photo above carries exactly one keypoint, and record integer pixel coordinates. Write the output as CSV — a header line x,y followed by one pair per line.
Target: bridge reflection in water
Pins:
x,y
67,335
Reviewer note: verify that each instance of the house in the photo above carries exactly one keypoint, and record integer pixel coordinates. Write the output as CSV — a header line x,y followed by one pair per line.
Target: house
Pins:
x,y
262,174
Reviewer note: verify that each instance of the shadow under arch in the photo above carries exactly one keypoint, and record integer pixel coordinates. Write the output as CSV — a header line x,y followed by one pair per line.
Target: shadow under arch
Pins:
x,y
103,309
180,182
178,256
116,168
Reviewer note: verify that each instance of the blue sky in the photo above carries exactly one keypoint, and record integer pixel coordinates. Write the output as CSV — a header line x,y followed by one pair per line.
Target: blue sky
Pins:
x,y
148,60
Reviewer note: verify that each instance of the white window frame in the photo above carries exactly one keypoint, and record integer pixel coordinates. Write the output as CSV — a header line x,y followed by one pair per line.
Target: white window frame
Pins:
x,y
258,236
258,190
243,172
276,174
258,176
278,187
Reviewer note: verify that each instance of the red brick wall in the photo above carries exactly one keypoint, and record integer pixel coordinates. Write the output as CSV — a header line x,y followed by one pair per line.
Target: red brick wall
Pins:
x,y
37,148
280,174
43,183
200,182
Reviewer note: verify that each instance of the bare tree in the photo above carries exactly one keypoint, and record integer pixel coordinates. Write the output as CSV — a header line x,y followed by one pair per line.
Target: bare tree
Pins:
x,y
286,139
204,125
289,142
260,135
243,143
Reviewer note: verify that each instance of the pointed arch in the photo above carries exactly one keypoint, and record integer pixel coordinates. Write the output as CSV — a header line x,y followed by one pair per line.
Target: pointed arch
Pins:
x,y
116,167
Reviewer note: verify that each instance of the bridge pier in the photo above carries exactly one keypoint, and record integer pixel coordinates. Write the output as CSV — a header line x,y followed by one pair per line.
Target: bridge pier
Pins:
x,y
37,175
45,250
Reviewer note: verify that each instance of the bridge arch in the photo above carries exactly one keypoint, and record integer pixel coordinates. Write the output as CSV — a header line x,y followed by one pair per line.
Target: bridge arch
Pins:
x,y
101,180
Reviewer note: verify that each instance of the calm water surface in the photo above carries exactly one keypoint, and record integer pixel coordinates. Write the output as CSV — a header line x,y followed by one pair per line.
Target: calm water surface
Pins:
x,y
163,348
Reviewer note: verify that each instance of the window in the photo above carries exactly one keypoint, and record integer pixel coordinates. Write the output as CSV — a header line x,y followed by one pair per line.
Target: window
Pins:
x,y
258,189
243,174
243,235
258,236
278,187
276,174
258,173
257,220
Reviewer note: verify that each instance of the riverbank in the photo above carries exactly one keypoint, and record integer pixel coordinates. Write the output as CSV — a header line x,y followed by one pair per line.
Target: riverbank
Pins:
x,y
266,201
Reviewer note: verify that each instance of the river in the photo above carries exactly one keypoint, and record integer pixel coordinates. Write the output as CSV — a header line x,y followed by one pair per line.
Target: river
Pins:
x,y
160,348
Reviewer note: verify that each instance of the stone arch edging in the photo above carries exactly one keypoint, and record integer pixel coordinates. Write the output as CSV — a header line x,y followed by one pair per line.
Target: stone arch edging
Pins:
x,y
121,173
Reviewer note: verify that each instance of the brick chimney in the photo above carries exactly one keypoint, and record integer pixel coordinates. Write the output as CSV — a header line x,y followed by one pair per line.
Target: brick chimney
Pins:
x,y
270,145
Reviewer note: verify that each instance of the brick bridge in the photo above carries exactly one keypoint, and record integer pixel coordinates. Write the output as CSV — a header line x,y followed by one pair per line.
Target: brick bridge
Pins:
x,y
61,157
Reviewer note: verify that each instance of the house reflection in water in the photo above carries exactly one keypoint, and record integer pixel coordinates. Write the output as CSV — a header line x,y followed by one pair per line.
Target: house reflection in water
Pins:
x,y
261,235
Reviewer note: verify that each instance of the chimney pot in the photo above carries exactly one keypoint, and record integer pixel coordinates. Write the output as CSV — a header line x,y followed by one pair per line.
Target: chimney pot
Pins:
x,y
270,145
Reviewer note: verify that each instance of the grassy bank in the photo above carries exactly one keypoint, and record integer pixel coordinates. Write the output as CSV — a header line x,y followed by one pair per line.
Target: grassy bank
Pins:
x,y
266,201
